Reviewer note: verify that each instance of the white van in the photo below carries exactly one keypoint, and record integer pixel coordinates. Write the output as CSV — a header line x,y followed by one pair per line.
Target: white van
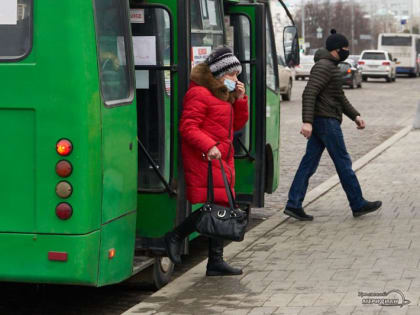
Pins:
x,y
404,47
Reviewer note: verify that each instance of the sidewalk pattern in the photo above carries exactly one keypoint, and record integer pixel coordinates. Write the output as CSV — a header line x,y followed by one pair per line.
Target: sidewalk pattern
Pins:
x,y
320,267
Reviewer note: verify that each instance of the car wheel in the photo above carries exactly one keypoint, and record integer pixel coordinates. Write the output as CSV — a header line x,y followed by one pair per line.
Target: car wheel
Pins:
x,y
364,79
288,95
388,79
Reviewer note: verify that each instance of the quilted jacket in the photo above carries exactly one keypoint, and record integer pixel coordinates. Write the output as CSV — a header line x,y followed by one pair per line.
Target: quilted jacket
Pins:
x,y
323,95
210,116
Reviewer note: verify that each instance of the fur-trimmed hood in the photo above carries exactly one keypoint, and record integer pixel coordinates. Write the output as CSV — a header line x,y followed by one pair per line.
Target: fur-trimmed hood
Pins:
x,y
202,76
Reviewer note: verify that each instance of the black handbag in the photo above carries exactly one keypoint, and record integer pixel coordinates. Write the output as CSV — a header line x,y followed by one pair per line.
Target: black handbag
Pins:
x,y
216,221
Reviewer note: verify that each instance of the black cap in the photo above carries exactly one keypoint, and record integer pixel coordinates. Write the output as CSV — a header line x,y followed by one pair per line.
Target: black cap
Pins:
x,y
336,41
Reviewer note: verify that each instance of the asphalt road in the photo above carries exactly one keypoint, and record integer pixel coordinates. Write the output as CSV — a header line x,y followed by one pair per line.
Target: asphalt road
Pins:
x,y
386,107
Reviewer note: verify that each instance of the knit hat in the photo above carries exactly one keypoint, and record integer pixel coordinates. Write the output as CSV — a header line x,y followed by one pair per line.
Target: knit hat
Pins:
x,y
336,41
222,61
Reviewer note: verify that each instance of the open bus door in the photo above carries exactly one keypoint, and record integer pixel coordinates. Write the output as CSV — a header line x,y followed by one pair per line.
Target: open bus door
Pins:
x,y
159,90
257,145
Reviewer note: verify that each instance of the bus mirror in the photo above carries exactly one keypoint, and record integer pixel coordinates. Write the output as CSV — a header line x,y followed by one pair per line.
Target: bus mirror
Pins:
x,y
291,46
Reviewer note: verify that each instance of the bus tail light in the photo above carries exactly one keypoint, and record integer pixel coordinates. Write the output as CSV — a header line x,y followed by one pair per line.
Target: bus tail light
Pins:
x,y
64,211
63,168
386,63
63,189
64,147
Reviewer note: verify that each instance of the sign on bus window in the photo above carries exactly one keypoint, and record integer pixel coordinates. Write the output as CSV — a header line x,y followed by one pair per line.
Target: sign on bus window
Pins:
x,y
199,54
144,48
15,29
137,16
8,12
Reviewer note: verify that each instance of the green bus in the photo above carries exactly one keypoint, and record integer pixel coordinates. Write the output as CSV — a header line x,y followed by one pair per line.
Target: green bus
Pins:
x,y
91,97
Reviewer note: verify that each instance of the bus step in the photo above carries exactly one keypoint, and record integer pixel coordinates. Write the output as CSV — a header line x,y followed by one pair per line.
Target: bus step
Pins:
x,y
141,262
155,246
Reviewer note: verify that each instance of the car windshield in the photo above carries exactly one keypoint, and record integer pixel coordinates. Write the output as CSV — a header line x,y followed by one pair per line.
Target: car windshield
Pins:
x,y
374,56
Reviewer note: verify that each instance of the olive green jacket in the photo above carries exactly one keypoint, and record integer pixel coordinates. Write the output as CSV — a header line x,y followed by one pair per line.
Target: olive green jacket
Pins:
x,y
323,95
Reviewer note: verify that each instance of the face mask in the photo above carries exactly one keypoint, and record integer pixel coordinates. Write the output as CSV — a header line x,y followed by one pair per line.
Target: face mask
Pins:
x,y
230,84
343,54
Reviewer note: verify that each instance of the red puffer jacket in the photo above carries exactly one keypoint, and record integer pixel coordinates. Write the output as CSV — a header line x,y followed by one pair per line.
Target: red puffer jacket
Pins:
x,y
210,116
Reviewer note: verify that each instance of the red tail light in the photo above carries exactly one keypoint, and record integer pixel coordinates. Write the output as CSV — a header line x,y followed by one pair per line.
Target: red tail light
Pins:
x,y
64,211
349,71
63,168
386,63
361,63
64,147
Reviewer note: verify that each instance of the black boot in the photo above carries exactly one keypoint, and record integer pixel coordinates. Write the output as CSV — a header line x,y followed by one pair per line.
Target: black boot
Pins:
x,y
369,207
216,266
298,213
174,239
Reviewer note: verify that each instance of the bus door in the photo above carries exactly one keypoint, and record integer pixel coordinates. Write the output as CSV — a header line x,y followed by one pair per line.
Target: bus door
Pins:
x,y
156,90
256,145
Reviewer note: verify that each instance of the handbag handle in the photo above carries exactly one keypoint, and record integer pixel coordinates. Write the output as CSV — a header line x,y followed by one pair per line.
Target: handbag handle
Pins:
x,y
227,186
210,186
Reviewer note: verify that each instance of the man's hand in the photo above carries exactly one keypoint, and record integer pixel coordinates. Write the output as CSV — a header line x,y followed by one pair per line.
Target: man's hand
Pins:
x,y
214,153
360,122
240,90
306,130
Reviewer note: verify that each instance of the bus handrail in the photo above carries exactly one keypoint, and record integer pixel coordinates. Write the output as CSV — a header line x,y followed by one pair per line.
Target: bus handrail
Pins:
x,y
168,188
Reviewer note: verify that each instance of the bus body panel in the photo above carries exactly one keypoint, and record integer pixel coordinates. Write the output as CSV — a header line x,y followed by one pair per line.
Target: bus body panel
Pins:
x,y
116,250
25,258
119,161
273,136
41,110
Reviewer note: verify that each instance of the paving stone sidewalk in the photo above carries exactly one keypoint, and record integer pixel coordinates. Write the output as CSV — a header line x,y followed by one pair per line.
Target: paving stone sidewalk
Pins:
x,y
320,267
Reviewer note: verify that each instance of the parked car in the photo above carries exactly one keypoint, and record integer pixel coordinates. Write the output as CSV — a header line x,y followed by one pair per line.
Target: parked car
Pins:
x,y
286,80
352,76
378,64
304,69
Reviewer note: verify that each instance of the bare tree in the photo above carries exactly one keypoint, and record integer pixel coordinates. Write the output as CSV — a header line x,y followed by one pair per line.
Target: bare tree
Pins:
x,y
337,15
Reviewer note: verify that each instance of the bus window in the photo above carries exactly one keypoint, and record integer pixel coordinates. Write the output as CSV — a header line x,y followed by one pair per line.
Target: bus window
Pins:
x,y
272,80
152,58
113,51
15,29
206,24
396,40
242,49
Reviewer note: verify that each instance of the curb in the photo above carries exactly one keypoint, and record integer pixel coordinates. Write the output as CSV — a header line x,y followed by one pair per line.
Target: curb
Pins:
x,y
197,273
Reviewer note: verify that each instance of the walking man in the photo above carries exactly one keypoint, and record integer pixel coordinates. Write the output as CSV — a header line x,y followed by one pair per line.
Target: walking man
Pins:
x,y
323,106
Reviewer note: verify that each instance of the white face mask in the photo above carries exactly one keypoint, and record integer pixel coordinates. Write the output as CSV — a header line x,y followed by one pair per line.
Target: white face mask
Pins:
x,y
230,84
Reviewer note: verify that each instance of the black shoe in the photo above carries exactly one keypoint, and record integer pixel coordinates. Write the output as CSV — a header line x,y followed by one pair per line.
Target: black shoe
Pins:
x,y
221,268
298,213
173,247
369,207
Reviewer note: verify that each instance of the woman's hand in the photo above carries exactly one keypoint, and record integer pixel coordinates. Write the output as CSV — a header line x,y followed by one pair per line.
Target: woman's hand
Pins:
x,y
240,90
214,153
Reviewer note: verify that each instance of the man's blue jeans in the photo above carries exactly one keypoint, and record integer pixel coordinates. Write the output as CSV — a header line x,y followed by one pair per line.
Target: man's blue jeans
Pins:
x,y
326,133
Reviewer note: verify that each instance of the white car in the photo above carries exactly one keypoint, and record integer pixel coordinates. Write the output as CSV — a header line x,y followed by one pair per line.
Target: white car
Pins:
x,y
377,64
286,79
303,70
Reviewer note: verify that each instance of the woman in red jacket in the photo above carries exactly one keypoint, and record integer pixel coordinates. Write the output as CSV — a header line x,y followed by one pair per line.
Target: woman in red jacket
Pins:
x,y
215,106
